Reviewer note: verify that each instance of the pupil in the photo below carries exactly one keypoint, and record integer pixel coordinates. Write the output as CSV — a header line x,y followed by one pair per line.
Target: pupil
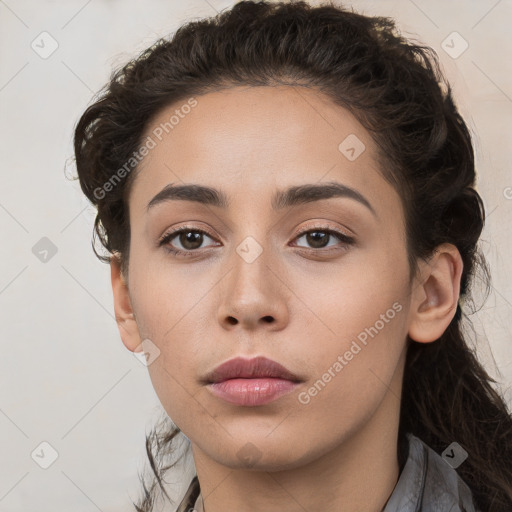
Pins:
x,y
316,241
189,237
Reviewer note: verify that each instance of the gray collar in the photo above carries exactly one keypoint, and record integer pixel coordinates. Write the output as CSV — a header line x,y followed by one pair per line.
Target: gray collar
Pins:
x,y
429,484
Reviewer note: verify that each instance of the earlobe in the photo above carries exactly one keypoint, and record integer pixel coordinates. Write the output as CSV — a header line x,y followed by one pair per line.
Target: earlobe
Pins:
x,y
124,315
435,294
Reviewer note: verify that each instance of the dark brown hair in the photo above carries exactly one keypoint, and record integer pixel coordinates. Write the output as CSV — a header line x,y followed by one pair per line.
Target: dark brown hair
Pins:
x,y
395,88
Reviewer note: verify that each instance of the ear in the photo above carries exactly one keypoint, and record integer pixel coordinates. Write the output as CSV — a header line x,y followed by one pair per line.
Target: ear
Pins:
x,y
125,318
435,294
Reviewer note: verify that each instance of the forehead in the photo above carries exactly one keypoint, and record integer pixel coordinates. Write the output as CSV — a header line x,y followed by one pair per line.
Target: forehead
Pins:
x,y
248,141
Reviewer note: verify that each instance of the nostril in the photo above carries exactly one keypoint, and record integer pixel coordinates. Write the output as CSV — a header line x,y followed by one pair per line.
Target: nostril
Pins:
x,y
232,320
268,319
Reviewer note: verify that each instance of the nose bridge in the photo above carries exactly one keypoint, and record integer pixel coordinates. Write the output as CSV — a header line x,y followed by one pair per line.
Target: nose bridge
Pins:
x,y
251,267
254,294
252,251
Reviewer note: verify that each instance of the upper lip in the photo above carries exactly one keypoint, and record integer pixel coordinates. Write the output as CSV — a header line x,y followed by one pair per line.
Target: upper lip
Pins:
x,y
240,367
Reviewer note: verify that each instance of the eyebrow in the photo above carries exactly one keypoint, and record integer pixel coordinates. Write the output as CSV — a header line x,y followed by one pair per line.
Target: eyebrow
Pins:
x,y
292,196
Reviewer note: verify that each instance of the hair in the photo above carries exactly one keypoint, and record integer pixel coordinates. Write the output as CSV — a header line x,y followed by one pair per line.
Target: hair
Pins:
x,y
395,87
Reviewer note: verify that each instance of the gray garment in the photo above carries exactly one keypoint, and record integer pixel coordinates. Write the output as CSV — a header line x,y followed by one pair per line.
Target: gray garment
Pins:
x,y
426,484
429,484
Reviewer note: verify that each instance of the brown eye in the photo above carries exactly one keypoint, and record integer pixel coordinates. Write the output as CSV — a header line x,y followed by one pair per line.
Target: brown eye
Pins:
x,y
190,239
319,238
186,240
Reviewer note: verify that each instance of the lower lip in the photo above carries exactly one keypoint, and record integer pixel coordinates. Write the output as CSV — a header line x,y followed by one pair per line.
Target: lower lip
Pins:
x,y
251,392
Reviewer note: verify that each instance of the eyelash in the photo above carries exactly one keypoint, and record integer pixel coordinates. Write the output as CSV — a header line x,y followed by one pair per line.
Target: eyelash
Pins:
x,y
167,237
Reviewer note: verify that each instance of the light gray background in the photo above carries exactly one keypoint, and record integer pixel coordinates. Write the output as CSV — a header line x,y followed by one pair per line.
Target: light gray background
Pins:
x,y
66,378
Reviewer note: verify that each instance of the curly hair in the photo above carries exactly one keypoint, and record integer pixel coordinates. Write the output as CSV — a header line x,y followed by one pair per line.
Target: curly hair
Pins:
x,y
395,88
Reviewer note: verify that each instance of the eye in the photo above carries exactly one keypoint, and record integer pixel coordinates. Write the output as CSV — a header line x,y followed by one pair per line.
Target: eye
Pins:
x,y
190,239
319,237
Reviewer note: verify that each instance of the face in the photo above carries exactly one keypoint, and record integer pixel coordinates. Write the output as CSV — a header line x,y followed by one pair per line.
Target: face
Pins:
x,y
317,282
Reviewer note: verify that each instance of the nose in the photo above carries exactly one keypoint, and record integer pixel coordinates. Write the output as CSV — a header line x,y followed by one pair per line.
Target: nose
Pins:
x,y
254,296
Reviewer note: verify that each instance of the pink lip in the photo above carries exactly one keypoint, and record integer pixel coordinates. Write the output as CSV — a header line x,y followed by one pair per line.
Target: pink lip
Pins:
x,y
239,367
251,392
251,382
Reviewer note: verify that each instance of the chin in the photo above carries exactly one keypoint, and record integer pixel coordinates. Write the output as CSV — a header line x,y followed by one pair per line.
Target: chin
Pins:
x,y
264,456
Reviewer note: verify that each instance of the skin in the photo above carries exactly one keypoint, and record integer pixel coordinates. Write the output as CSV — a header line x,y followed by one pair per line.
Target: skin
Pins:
x,y
338,451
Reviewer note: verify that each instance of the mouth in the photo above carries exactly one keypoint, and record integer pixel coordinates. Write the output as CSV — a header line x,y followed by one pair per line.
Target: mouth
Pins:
x,y
258,367
251,382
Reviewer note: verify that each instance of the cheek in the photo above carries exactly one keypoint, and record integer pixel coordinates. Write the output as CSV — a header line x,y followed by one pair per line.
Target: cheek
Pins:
x,y
166,305
347,297
357,323
357,348
166,295
364,329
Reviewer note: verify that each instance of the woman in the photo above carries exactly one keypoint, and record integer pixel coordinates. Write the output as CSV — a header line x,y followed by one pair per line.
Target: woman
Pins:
x,y
287,196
